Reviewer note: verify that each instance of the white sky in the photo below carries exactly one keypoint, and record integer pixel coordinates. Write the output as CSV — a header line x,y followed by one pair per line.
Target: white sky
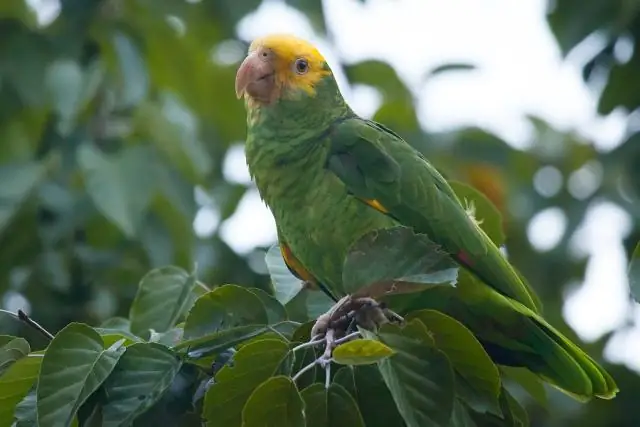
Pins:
x,y
520,72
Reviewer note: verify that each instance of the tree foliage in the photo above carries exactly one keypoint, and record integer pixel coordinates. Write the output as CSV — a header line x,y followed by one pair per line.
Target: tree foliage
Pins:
x,y
116,119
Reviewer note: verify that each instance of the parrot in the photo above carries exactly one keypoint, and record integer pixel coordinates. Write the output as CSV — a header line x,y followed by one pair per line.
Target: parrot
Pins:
x,y
329,177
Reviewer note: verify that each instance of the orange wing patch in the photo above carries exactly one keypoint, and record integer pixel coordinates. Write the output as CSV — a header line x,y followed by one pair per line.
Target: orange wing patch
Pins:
x,y
295,265
375,205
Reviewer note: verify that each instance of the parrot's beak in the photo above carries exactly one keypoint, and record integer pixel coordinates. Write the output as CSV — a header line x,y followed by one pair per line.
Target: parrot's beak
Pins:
x,y
256,76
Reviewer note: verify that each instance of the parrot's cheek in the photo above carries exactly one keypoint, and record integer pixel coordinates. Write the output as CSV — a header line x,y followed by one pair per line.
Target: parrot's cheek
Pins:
x,y
262,89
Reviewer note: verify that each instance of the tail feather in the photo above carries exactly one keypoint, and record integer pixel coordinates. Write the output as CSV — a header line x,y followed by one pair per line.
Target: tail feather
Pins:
x,y
561,362
602,384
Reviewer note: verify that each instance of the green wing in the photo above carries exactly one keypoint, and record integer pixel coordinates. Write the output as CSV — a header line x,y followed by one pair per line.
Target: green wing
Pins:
x,y
380,168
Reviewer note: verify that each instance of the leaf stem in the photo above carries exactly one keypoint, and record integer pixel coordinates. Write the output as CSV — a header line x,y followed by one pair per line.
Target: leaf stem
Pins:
x,y
305,369
35,325
327,375
307,344
346,338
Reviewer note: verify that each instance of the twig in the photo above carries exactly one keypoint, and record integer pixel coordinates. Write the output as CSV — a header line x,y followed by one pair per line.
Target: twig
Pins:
x,y
29,321
346,338
306,368
308,344
203,286
330,340
327,375
395,315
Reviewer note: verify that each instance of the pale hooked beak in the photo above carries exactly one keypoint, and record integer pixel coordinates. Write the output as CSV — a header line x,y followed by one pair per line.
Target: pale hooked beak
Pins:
x,y
255,77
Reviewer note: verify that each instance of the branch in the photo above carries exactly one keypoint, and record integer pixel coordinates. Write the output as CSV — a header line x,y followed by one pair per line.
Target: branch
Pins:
x,y
35,325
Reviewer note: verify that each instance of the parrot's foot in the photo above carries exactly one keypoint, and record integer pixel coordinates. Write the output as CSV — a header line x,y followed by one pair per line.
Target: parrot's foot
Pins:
x,y
340,324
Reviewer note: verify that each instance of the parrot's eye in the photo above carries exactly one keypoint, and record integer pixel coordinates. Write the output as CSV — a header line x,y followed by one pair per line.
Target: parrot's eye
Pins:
x,y
301,66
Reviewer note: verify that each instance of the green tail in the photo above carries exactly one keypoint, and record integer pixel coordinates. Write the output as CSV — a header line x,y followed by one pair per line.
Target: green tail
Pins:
x,y
514,335
552,356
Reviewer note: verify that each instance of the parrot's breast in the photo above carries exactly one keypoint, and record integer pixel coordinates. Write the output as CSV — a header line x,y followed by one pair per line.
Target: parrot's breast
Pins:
x,y
319,221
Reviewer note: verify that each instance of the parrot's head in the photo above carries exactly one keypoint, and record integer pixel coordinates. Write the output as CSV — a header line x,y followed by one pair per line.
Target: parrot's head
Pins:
x,y
282,67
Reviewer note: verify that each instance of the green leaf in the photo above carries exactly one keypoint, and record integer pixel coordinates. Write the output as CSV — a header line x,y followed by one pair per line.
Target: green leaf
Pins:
x,y
275,311
253,364
18,181
395,260
485,211
380,75
514,415
75,364
121,186
634,273
274,403
334,407
460,416
222,340
27,411
312,10
181,147
419,376
12,350
573,20
308,305
224,308
64,81
286,286
528,381
468,357
133,71
141,376
370,391
15,383
361,352
161,300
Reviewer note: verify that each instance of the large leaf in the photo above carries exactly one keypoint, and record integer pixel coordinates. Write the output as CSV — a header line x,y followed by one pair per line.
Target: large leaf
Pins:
x,y
275,311
18,181
419,376
395,260
468,357
514,415
573,20
312,10
484,211
133,71
140,378
286,286
26,414
308,304
634,273
253,364
361,352
216,342
11,350
274,403
380,75
333,407
162,298
65,84
224,308
531,383
460,416
75,364
121,186
15,384
376,404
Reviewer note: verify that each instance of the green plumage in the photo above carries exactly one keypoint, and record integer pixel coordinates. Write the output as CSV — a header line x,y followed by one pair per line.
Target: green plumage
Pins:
x,y
313,160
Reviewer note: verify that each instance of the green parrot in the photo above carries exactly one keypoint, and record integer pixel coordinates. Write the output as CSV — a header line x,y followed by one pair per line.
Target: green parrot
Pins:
x,y
329,177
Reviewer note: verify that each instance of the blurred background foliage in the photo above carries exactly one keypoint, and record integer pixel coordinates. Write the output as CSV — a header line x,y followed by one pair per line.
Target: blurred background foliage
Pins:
x,y
117,116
